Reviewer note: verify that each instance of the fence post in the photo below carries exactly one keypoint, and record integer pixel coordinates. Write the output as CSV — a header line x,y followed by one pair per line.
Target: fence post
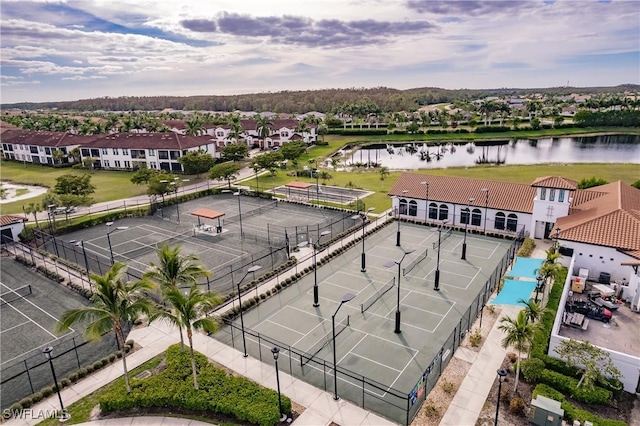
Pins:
x,y
75,349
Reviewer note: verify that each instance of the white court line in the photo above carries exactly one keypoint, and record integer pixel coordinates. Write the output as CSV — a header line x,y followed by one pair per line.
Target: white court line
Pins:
x,y
31,320
15,326
284,326
186,238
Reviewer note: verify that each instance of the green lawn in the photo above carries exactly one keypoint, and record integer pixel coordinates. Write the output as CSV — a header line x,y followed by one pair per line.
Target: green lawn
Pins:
x,y
370,180
110,185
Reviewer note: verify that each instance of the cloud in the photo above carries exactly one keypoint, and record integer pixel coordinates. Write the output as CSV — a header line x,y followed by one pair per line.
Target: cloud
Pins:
x,y
301,31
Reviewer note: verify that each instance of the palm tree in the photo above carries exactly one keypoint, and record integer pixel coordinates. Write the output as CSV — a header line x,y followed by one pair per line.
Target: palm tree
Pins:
x,y
236,130
189,310
175,270
519,335
194,126
263,127
115,301
533,310
34,209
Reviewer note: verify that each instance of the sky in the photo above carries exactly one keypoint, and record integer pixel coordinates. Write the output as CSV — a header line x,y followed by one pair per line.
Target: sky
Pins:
x,y
58,50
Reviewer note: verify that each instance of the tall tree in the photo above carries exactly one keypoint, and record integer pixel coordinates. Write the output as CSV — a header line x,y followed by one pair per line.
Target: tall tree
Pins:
x,y
189,312
197,162
236,131
34,209
263,127
234,151
74,184
224,171
596,363
519,335
175,270
194,126
115,301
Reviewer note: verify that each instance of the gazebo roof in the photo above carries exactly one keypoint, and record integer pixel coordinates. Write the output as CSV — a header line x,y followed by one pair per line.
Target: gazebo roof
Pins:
x,y
298,185
207,213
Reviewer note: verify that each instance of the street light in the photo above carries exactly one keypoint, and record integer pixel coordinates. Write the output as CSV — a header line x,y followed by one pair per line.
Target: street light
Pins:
x,y
399,263
486,207
404,191
426,202
464,244
363,216
316,302
52,225
557,238
109,232
84,254
276,351
502,373
317,183
347,297
539,286
47,354
436,285
237,194
254,268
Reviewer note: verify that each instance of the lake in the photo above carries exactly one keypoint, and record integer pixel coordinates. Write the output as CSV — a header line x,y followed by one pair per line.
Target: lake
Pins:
x,y
416,155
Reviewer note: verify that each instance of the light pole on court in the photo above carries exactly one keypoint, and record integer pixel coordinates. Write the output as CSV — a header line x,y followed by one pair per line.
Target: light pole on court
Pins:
x,y
436,285
466,223
316,301
404,192
502,373
254,268
399,263
363,216
347,297
109,232
426,202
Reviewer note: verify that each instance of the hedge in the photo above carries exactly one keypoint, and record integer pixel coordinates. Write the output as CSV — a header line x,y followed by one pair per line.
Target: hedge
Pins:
x,y
571,412
569,385
219,392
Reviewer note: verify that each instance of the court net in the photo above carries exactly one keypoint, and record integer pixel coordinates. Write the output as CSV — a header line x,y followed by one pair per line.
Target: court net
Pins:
x,y
174,239
13,295
443,236
249,213
325,340
377,295
414,263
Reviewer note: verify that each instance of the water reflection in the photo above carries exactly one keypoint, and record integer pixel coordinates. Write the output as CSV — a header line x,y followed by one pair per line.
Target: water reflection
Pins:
x,y
418,155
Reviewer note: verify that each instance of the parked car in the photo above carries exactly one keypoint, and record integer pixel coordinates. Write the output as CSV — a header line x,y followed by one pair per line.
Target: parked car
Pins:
x,y
589,310
65,210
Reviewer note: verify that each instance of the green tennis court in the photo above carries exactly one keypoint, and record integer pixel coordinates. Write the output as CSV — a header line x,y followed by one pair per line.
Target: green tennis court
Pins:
x,y
378,367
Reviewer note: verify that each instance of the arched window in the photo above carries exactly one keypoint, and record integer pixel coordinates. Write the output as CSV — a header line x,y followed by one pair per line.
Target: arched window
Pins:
x,y
443,213
433,211
413,208
476,217
403,206
512,222
500,220
464,216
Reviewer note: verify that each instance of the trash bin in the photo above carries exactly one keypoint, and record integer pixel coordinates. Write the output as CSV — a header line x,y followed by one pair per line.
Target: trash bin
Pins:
x,y
218,229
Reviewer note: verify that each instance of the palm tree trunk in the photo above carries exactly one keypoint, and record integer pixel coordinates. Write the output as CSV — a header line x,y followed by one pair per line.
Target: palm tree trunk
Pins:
x,y
35,216
193,359
515,387
120,337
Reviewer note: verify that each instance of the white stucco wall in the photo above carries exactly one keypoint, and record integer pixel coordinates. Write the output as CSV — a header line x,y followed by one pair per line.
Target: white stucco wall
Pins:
x,y
16,229
628,365
597,259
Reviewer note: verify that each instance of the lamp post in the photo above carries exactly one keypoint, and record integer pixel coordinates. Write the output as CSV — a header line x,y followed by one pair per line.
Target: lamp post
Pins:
x,y
539,286
399,263
347,297
47,354
486,207
109,232
254,268
363,216
557,238
276,351
426,201
84,254
466,223
436,285
502,373
316,302
52,225
237,194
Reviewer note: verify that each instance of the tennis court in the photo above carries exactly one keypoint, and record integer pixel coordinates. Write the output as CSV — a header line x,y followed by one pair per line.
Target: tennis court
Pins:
x,y
27,325
378,367
265,236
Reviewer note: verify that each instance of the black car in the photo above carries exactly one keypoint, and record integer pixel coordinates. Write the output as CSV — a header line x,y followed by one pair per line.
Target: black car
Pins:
x,y
589,310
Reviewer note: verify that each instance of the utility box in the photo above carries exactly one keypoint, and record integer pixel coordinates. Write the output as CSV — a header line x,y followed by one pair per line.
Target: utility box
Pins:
x,y
545,412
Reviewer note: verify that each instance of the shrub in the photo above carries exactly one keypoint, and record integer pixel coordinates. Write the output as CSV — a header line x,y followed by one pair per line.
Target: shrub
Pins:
x,y
512,357
97,366
431,409
447,386
65,383
569,386
505,395
37,397
112,357
527,248
475,338
81,373
47,392
73,377
25,402
532,369
517,406
104,361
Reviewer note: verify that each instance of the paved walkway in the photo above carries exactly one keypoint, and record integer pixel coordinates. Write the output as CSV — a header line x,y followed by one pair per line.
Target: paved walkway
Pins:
x,y
320,408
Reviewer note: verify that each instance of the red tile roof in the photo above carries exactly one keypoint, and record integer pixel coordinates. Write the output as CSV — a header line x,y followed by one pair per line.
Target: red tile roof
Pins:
x,y
607,215
167,140
555,182
10,219
502,195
